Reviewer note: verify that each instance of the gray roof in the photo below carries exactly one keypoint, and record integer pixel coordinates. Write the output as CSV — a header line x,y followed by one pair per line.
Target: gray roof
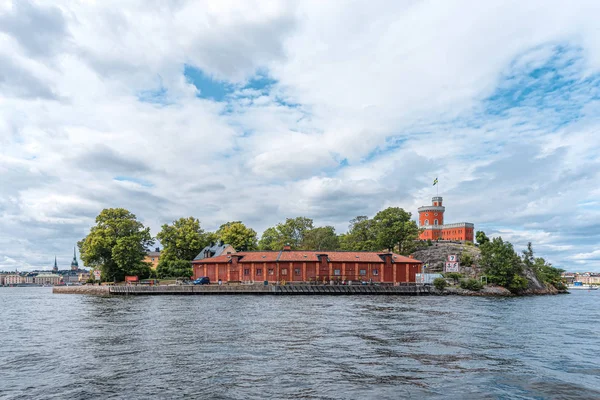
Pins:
x,y
215,250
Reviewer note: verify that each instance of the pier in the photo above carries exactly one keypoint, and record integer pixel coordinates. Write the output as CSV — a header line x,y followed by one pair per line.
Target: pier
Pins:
x,y
290,289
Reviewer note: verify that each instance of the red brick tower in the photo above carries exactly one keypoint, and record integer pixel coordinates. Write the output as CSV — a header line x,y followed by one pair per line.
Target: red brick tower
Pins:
x,y
432,215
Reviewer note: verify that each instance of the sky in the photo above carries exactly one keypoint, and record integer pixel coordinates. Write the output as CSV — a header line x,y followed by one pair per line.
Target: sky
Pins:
x,y
261,110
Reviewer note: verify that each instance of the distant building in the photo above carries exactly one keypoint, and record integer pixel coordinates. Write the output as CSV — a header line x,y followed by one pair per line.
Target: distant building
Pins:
x,y
55,268
431,220
47,279
74,275
13,279
2,279
152,257
84,276
215,250
74,264
29,277
587,278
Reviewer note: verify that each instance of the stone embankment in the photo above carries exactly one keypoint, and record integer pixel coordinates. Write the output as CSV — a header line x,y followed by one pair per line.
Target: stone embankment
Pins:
x,y
87,289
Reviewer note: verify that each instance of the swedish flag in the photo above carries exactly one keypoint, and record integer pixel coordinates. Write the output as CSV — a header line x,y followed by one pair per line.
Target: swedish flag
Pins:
x,y
435,181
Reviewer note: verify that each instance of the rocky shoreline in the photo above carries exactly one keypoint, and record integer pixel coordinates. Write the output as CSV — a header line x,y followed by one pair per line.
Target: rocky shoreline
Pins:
x,y
498,291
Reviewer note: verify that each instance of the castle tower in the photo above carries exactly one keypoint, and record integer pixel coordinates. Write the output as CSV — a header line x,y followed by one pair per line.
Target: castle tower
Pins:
x,y
74,264
55,268
432,215
431,221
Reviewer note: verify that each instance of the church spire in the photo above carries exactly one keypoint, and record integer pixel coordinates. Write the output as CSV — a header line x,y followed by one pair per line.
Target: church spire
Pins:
x,y
55,265
74,264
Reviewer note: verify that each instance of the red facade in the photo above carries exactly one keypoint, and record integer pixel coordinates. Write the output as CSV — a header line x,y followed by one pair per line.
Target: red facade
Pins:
x,y
308,266
431,221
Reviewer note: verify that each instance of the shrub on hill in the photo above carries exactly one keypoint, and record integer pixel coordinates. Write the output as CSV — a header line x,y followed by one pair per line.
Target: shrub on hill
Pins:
x,y
440,283
471,284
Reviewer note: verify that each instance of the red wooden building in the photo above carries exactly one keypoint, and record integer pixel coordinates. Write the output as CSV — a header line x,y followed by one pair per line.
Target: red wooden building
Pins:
x,y
306,266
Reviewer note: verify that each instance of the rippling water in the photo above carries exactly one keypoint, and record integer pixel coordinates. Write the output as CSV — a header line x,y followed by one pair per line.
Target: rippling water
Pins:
x,y
241,347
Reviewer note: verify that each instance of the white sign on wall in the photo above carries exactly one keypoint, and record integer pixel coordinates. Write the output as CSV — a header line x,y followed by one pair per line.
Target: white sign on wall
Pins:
x,y
452,258
451,267
97,274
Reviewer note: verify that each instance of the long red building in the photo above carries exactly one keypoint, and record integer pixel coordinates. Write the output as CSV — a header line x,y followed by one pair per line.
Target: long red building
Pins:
x,y
307,266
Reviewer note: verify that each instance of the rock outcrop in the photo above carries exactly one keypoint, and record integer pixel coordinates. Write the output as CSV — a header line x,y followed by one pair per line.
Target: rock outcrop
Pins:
x,y
436,255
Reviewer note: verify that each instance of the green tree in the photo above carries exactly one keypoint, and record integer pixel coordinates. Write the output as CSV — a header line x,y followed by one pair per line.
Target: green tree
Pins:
x,y
116,245
481,238
270,239
238,235
174,269
361,235
394,227
321,238
182,240
543,270
502,265
291,232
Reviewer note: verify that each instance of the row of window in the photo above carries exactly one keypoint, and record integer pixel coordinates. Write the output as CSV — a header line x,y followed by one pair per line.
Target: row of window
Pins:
x,y
435,222
298,272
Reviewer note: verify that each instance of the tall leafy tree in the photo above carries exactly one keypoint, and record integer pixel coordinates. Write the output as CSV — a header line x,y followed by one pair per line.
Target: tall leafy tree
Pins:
x,y
394,227
271,239
182,241
502,264
238,235
481,237
116,245
543,270
321,238
361,235
292,232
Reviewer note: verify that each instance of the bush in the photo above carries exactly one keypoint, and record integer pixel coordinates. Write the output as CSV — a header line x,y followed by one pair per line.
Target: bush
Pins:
x,y
455,276
429,243
440,283
466,259
471,284
469,243
517,284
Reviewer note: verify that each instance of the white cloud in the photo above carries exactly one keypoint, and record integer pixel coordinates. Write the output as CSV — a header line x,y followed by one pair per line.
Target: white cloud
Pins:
x,y
370,101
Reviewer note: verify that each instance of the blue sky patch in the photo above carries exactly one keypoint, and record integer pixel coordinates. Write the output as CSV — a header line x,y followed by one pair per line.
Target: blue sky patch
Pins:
x,y
554,85
208,87
139,181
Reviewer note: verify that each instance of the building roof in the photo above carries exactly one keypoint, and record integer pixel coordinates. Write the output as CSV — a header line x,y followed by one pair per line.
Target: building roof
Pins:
x,y
153,253
306,256
215,249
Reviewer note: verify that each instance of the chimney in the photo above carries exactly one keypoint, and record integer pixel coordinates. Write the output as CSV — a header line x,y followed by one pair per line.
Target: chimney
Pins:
x,y
287,247
411,256
157,249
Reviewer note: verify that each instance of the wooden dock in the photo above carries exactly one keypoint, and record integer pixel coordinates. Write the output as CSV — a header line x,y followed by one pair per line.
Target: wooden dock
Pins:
x,y
290,289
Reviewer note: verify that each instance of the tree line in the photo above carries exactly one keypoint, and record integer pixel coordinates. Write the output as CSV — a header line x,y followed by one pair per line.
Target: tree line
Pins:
x,y
505,267
118,242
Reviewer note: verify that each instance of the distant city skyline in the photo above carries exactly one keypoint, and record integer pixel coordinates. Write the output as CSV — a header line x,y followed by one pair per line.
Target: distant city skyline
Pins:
x,y
258,111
